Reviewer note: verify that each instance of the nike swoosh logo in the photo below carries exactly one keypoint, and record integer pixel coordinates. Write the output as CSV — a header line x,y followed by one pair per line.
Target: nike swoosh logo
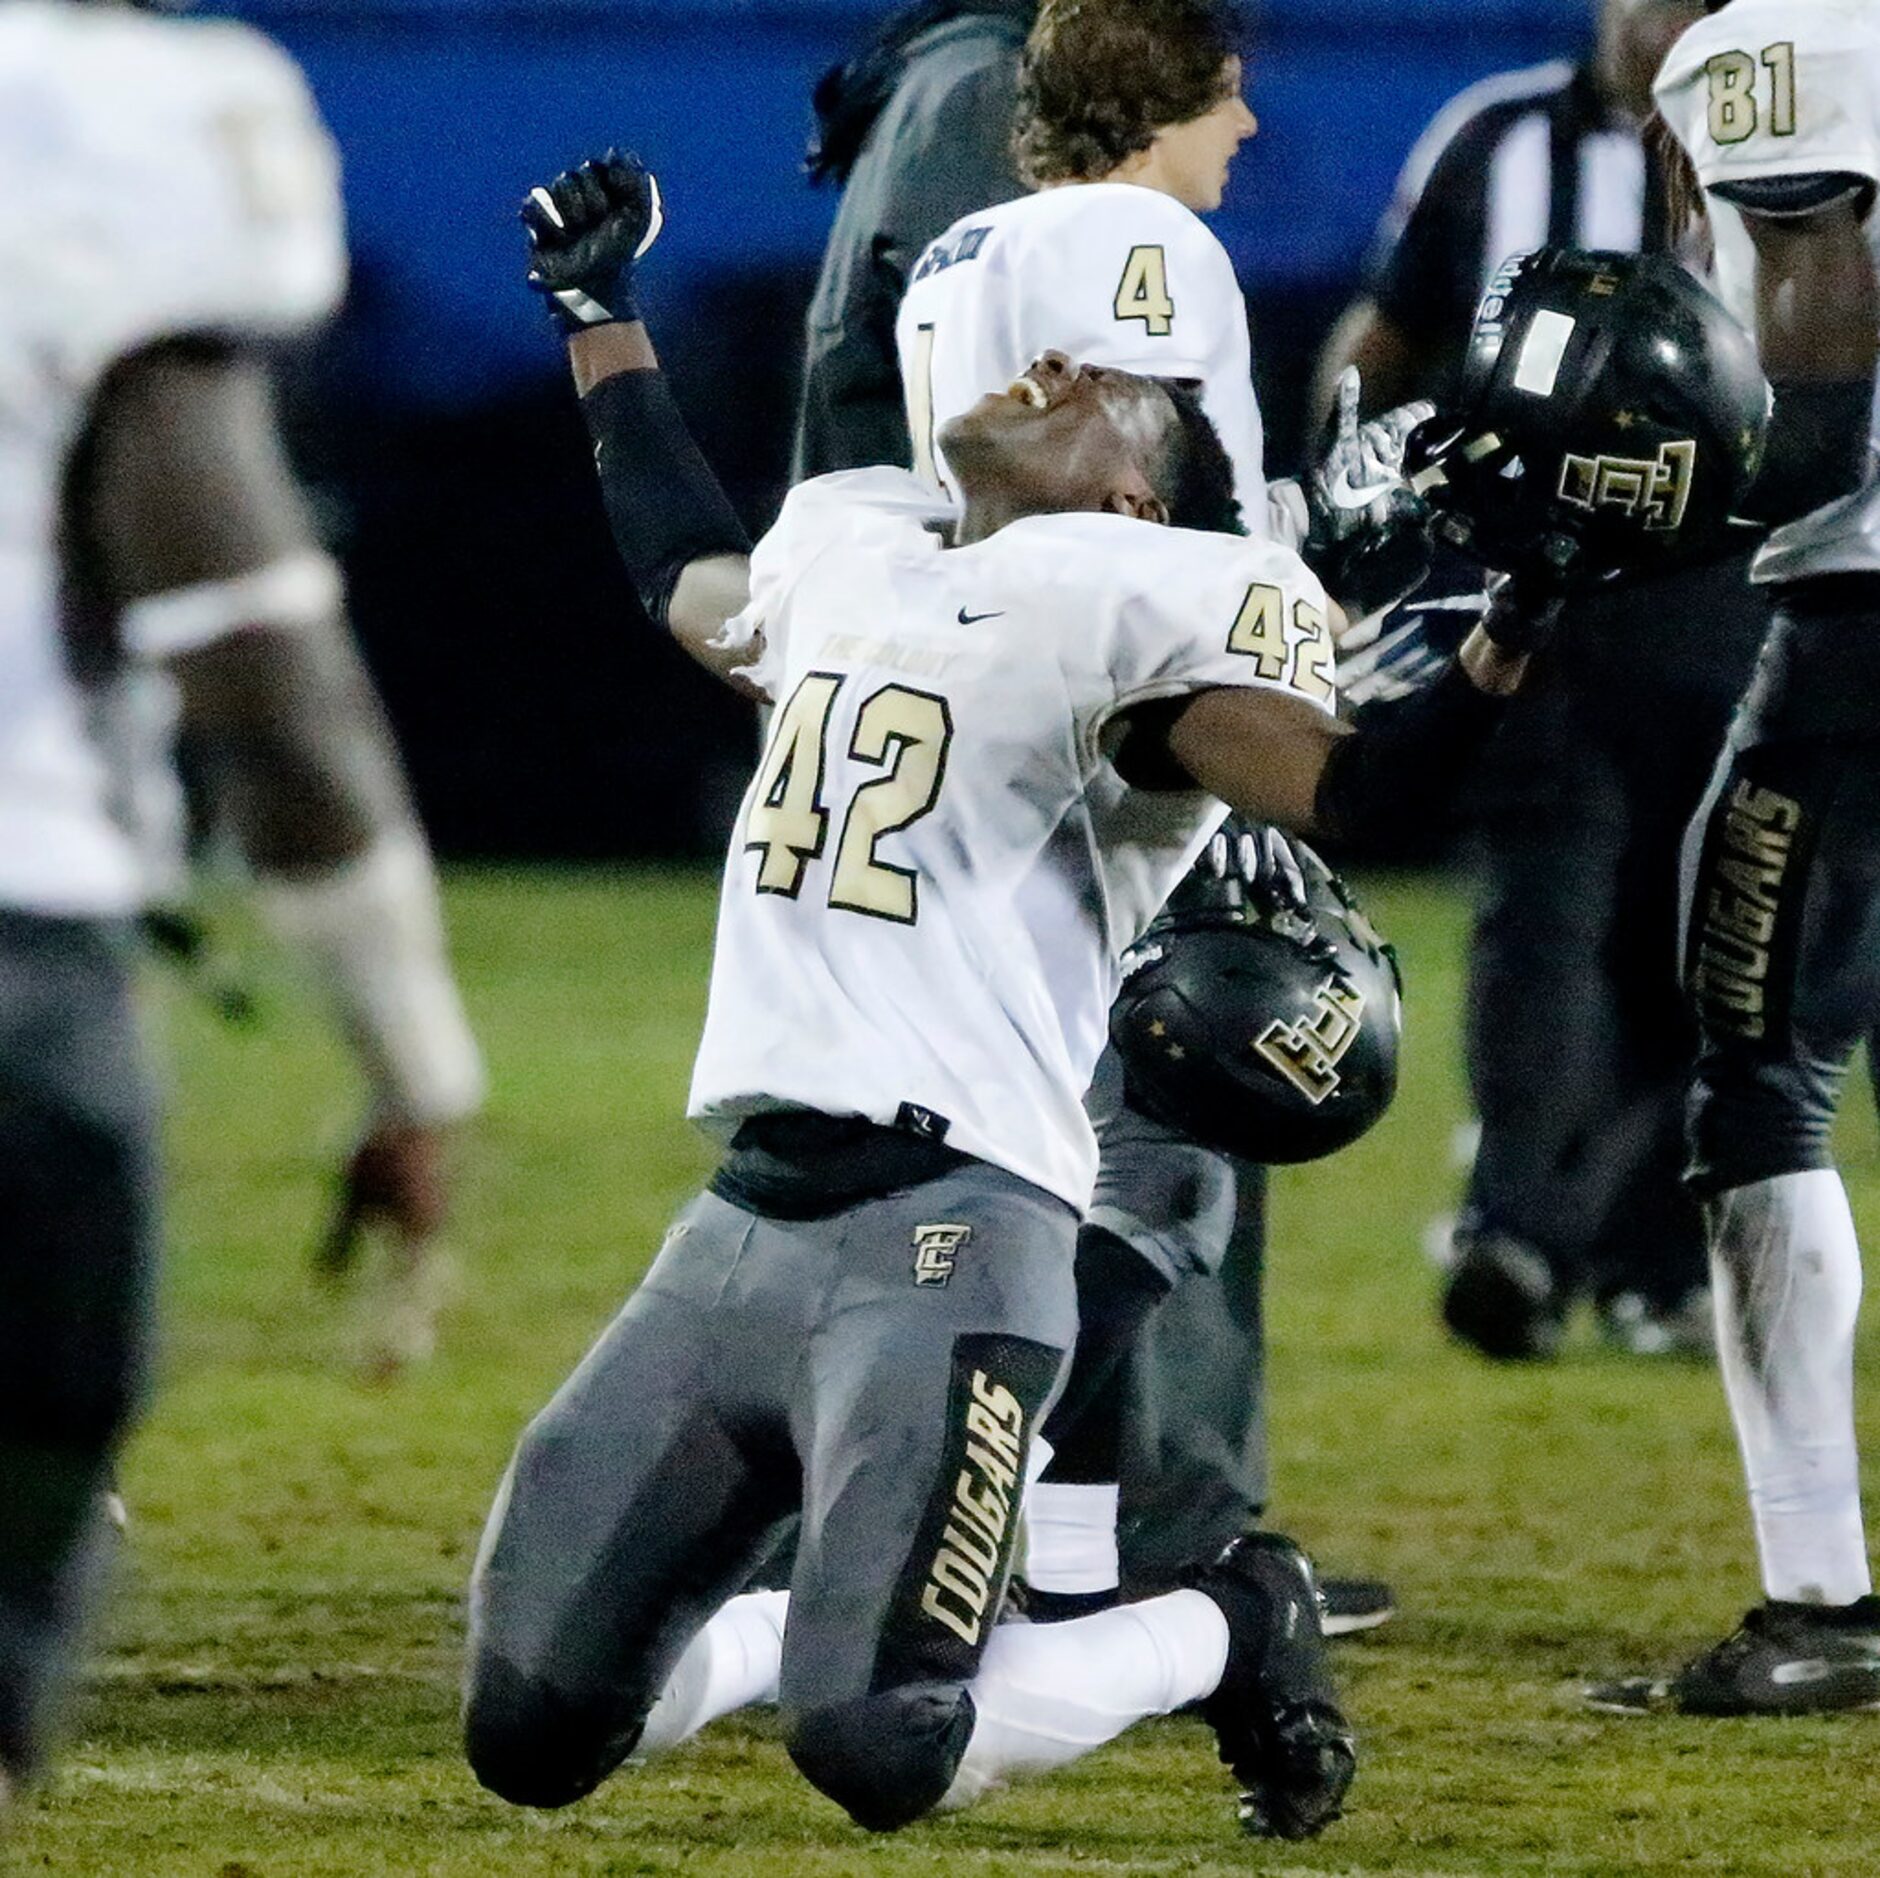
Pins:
x,y
973,619
1346,497
1803,1669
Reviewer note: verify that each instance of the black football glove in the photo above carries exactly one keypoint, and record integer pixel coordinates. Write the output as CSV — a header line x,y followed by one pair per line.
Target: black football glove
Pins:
x,y
586,229
1368,534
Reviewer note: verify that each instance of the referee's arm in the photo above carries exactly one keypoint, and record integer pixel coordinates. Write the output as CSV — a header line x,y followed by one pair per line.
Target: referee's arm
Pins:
x,y
1402,332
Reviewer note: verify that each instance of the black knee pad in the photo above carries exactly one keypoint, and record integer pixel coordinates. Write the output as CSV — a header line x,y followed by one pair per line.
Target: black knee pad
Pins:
x,y
1754,1117
884,1759
532,1746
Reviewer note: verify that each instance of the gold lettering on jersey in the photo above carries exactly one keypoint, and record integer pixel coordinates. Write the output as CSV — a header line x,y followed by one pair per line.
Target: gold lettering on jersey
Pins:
x,y
1658,488
896,654
1307,1053
1730,977
935,1248
963,1580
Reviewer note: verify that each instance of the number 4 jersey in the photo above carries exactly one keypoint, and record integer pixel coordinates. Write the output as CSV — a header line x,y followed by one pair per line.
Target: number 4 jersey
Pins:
x,y
936,866
1112,274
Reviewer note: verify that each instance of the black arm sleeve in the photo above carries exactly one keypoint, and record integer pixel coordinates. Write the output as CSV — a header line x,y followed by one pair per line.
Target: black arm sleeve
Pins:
x,y
1817,450
664,505
1409,758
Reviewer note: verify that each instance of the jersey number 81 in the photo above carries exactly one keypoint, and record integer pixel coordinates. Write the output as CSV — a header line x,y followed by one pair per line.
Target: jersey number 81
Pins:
x,y
905,731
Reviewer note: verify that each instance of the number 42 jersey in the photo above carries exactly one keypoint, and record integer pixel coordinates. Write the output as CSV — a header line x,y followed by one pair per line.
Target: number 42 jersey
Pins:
x,y
936,865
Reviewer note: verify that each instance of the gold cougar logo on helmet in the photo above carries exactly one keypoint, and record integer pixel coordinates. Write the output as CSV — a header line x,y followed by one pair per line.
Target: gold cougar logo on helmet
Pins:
x,y
1307,1053
1659,488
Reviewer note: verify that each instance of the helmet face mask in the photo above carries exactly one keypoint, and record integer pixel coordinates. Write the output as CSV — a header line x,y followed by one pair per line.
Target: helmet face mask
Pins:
x,y
1260,1025
1610,418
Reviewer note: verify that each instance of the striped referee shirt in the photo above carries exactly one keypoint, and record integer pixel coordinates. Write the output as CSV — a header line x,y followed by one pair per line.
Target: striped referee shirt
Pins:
x,y
1513,163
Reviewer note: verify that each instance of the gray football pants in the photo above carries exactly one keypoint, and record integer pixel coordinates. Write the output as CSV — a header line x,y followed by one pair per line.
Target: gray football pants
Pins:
x,y
1193,1451
882,1369
77,1252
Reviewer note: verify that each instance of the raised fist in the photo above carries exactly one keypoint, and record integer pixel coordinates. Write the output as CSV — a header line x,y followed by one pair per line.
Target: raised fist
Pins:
x,y
586,229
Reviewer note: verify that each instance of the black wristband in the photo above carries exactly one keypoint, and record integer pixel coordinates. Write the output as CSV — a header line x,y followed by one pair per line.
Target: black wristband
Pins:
x,y
1817,451
1406,762
664,505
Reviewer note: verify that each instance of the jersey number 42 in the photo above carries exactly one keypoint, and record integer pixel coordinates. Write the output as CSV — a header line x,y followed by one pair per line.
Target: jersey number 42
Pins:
x,y
906,733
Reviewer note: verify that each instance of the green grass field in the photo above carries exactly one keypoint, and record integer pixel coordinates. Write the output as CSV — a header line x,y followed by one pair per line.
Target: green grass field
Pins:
x,y
275,1696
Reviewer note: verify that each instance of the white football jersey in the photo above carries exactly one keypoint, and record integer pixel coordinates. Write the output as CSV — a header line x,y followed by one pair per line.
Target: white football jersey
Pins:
x,y
163,177
936,866
1109,273
1771,88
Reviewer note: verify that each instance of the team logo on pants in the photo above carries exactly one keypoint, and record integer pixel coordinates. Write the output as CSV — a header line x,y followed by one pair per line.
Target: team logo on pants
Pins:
x,y
953,1575
1734,975
935,1248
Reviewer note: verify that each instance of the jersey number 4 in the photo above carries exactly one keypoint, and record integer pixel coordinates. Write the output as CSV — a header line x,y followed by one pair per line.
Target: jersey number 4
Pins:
x,y
1142,293
907,733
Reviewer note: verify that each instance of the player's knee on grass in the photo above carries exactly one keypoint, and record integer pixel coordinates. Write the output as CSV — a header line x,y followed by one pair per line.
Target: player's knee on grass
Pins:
x,y
885,1759
532,1745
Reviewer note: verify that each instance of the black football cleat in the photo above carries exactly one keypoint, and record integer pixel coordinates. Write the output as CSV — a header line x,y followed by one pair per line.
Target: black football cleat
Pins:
x,y
1275,1713
1501,1296
1783,1659
1349,1605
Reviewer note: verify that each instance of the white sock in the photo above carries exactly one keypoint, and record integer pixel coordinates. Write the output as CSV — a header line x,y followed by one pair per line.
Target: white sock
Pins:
x,y
734,1661
1785,1274
1048,1693
1070,1542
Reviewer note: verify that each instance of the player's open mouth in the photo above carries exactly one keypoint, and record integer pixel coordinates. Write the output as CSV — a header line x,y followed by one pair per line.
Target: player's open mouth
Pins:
x,y
1027,390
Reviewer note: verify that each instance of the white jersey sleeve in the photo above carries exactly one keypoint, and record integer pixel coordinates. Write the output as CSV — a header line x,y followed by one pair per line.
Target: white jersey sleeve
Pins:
x,y
1109,273
1773,88
193,184
1195,611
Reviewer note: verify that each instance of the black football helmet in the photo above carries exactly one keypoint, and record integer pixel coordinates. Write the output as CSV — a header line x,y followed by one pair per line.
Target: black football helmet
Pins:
x,y
1260,1013
1609,420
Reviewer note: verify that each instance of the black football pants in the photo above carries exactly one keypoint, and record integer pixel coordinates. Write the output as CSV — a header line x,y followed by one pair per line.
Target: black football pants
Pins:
x,y
1579,1044
1782,894
77,1232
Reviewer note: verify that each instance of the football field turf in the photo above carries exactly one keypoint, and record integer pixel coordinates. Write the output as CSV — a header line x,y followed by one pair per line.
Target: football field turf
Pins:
x,y
276,1693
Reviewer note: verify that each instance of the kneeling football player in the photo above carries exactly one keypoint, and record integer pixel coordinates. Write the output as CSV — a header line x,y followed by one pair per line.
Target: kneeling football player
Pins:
x,y
1002,732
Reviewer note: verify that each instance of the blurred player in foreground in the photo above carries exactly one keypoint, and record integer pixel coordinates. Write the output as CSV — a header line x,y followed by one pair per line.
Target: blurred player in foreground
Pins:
x,y
171,198
1776,105
869,1311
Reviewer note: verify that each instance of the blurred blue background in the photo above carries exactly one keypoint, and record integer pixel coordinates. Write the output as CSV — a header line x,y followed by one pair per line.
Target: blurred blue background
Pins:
x,y
539,714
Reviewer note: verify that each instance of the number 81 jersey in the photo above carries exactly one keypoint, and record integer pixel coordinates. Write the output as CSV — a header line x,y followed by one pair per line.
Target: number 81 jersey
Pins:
x,y
936,867
1770,89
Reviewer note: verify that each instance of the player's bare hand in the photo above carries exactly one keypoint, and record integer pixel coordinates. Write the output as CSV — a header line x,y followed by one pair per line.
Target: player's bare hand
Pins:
x,y
586,230
396,1180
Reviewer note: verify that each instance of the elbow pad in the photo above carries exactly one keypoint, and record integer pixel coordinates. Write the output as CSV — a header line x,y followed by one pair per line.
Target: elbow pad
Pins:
x,y
1406,762
664,505
1817,450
